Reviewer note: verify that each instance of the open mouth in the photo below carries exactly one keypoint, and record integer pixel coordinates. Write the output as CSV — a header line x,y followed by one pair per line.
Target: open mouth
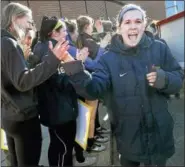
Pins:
x,y
133,37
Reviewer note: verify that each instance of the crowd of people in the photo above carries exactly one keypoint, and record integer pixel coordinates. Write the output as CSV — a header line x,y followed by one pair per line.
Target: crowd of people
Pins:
x,y
128,68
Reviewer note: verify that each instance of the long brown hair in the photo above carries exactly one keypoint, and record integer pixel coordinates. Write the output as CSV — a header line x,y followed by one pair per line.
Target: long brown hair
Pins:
x,y
83,21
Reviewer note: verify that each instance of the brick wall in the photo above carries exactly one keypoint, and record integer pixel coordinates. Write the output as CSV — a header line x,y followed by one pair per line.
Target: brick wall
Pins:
x,y
72,9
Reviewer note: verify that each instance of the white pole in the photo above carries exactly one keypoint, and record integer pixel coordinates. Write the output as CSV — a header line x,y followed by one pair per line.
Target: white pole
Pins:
x,y
175,6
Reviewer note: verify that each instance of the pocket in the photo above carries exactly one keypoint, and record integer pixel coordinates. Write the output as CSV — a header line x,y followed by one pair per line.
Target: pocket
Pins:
x,y
129,125
165,127
164,121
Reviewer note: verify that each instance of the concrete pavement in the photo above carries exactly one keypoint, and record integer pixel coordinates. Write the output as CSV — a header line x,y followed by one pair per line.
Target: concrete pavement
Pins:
x,y
110,157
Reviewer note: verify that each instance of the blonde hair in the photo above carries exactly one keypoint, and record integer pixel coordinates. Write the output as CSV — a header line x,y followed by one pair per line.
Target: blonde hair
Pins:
x,y
13,10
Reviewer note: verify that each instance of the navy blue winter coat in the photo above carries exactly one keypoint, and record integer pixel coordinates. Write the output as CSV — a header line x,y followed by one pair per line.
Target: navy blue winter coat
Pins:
x,y
57,99
139,113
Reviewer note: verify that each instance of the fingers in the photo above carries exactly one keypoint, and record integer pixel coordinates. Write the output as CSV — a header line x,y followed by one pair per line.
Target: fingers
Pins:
x,y
64,45
107,37
151,77
60,43
85,49
82,56
152,80
154,68
26,51
85,53
62,48
151,74
50,45
67,57
98,23
99,26
151,84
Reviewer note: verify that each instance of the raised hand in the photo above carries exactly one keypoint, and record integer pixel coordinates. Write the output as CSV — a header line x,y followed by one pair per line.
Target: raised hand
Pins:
x,y
99,26
104,42
82,54
60,50
27,51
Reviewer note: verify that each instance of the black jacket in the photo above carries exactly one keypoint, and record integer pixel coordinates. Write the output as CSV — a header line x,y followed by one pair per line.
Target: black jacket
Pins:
x,y
85,40
18,81
57,99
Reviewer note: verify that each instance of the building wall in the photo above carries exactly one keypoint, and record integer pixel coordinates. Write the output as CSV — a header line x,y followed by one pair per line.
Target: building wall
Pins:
x,y
174,40
72,9
154,9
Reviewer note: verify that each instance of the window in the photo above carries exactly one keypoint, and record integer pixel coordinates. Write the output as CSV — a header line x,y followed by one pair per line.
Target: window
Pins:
x,y
173,7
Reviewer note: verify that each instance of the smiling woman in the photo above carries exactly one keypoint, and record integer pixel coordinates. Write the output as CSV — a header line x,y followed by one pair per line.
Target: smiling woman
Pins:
x,y
135,90
131,24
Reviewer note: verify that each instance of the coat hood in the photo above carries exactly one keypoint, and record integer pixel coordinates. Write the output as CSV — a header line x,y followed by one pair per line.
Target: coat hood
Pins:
x,y
5,33
118,46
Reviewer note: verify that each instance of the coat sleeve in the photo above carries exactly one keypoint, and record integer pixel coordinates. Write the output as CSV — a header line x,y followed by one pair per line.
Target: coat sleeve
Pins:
x,y
72,51
173,72
93,47
95,84
57,80
90,64
15,67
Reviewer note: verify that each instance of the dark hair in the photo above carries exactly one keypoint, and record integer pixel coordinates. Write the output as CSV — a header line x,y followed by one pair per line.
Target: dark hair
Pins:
x,y
107,25
82,22
47,26
71,26
153,25
114,28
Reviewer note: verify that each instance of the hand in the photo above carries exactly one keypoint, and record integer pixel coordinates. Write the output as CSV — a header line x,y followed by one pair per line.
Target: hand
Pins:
x,y
99,26
152,76
104,42
68,58
60,50
82,54
27,51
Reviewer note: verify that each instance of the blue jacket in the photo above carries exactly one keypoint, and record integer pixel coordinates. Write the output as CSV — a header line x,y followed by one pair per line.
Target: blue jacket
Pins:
x,y
139,113
57,99
72,49
90,64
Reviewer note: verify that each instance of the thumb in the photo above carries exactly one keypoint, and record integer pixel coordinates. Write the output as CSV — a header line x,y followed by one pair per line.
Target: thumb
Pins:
x,y
77,51
154,68
86,49
50,45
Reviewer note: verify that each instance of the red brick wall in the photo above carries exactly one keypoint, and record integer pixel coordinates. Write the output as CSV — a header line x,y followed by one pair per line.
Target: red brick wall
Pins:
x,y
41,8
72,9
